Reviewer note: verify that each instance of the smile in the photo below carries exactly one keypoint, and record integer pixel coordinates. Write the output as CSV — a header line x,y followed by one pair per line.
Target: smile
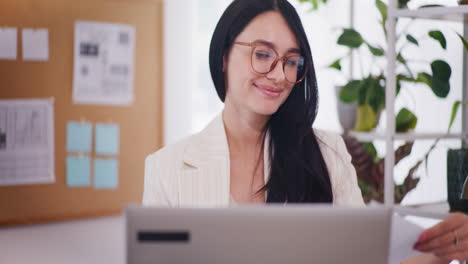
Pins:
x,y
269,91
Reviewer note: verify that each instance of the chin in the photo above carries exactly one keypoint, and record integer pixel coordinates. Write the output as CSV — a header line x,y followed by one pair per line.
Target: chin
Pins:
x,y
266,109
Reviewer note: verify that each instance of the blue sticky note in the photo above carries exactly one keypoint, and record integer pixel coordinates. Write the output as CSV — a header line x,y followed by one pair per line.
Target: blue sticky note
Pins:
x,y
79,136
107,139
106,173
78,171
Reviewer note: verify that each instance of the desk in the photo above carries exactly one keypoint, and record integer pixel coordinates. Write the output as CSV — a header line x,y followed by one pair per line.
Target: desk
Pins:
x,y
91,241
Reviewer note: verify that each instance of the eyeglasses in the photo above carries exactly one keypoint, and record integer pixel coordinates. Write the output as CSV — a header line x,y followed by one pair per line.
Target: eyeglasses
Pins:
x,y
265,58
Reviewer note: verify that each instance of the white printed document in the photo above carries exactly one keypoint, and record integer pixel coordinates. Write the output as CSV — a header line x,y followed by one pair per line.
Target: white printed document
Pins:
x,y
104,57
8,43
403,235
35,44
26,142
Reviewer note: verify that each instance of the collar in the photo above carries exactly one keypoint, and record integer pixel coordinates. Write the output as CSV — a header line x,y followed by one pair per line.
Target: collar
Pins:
x,y
210,145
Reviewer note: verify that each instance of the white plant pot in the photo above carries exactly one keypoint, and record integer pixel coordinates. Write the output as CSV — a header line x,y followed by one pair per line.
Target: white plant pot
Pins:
x,y
346,112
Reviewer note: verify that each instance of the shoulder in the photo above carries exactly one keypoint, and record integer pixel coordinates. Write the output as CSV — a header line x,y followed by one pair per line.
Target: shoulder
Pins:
x,y
330,143
161,174
333,150
340,169
171,153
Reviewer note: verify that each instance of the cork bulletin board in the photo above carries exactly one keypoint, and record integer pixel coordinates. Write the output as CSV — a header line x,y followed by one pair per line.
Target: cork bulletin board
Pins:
x,y
140,123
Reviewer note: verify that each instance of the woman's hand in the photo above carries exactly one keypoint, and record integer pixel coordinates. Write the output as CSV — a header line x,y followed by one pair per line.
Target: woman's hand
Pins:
x,y
447,240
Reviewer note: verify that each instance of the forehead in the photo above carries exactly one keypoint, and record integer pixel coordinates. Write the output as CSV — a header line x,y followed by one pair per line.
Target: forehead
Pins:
x,y
272,27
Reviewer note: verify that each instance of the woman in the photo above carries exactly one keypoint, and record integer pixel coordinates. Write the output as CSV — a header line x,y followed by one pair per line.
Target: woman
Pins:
x,y
261,149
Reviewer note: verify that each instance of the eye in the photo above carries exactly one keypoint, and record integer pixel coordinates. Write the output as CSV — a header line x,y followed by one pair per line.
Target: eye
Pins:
x,y
262,55
295,62
292,62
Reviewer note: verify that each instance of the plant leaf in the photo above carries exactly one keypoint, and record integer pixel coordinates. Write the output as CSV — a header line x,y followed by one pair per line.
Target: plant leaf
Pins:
x,y
315,3
405,120
440,87
336,65
350,38
350,92
376,51
437,35
400,58
441,70
425,6
411,39
370,148
464,41
403,3
366,118
383,9
362,97
376,96
372,93
455,108
441,73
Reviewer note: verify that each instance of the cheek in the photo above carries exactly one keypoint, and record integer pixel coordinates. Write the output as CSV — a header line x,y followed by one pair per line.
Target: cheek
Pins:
x,y
240,75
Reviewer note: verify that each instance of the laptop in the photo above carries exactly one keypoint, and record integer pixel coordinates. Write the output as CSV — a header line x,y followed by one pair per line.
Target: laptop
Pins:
x,y
257,234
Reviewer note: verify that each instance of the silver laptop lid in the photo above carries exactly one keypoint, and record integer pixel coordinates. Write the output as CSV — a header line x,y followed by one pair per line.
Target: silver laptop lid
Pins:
x,y
266,234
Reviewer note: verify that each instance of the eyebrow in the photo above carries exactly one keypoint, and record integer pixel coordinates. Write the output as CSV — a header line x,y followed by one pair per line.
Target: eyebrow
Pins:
x,y
271,45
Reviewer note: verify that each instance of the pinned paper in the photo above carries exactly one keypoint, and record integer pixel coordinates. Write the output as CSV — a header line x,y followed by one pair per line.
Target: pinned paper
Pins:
x,y
104,58
35,44
106,173
78,171
27,141
107,139
8,43
79,136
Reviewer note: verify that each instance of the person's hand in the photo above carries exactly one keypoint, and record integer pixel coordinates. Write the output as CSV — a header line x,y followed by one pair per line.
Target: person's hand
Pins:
x,y
447,240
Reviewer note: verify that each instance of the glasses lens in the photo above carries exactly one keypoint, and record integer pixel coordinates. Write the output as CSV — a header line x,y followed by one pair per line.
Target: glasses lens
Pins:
x,y
262,59
294,68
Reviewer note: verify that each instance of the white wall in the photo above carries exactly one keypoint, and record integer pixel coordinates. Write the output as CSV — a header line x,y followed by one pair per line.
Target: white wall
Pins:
x,y
178,71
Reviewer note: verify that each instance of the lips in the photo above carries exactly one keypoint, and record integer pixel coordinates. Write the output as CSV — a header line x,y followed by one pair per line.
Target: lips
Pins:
x,y
268,90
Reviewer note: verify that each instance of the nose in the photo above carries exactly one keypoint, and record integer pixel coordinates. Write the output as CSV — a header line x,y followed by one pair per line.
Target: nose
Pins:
x,y
277,73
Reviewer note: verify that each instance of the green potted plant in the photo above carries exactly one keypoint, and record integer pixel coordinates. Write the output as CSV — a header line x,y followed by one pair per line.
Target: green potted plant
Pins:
x,y
368,94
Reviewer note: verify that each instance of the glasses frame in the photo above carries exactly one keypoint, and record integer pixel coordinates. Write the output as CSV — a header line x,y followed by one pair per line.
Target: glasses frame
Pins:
x,y
254,45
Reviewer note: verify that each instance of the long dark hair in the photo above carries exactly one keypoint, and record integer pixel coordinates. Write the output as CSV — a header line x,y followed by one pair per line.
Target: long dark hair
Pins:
x,y
298,173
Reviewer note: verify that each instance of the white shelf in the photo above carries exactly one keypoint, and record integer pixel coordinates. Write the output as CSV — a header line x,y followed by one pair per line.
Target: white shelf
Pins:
x,y
370,136
458,14
455,13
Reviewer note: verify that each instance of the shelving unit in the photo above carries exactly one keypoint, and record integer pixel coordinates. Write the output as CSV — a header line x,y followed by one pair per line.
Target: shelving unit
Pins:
x,y
459,14
365,136
455,13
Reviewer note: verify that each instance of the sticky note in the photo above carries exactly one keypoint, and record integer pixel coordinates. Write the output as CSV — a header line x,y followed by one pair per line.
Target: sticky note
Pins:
x,y
35,44
79,136
78,171
106,173
107,139
8,43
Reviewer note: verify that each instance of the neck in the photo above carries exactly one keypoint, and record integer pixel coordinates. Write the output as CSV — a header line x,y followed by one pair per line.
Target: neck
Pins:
x,y
244,129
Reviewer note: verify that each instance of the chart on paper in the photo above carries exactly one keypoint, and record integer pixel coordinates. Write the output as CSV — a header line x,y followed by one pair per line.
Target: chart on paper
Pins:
x,y
26,142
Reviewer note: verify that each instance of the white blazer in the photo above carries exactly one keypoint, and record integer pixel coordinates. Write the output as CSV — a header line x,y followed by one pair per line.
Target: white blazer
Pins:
x,y
195,172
